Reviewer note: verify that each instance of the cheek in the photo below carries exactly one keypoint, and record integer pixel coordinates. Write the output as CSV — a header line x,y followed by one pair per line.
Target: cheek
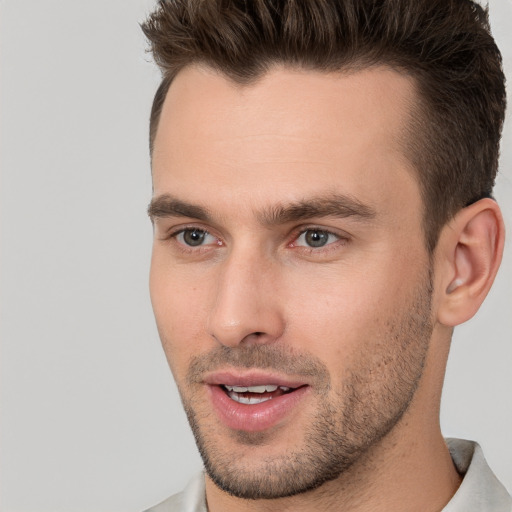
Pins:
x,y
342,311
339,301
178,307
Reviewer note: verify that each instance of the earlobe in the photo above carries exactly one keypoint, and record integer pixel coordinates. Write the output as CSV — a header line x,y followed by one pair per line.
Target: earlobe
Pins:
x,y
469,255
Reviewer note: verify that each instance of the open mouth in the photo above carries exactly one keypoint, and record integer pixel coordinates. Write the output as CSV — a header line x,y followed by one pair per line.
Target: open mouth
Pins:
x,y
252,395
255,401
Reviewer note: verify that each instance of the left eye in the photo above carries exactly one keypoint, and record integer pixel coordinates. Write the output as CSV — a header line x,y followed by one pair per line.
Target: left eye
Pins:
x,y
315,238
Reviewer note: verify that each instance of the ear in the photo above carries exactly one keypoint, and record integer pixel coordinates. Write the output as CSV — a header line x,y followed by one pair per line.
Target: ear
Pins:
x,y
468,256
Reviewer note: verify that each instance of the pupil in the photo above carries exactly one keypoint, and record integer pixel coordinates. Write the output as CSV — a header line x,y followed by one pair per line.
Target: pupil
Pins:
x,y
316,238
193,237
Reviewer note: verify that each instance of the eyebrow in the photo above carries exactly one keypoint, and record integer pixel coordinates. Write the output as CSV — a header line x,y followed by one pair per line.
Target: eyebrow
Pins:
x,y
333,205
168,206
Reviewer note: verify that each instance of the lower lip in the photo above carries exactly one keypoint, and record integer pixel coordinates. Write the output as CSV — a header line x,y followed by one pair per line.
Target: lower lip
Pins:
x,y
255,417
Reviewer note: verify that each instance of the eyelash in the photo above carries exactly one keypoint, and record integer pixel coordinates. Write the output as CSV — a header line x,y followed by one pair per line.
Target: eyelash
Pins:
x,y
173,235
341,239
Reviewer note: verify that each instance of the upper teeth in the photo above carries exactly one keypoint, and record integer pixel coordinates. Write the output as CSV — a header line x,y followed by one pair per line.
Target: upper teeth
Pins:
x,y
255,389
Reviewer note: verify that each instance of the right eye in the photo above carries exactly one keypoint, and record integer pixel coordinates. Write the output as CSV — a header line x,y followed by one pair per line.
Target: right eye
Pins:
x,y
195,237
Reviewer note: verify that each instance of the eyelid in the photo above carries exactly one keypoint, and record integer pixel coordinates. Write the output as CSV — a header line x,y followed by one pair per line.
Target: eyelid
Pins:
x,y
341,235
342,238
180,236
315,227
175,231
328,233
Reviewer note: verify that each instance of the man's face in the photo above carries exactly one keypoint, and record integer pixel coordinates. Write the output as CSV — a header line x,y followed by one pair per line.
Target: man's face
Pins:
x,y
289,279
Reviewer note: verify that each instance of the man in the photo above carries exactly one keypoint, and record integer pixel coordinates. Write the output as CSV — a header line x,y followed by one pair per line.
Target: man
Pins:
x,y
323,219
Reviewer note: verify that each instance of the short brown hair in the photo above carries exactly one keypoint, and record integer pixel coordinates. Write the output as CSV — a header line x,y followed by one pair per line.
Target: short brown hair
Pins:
x,y
444,45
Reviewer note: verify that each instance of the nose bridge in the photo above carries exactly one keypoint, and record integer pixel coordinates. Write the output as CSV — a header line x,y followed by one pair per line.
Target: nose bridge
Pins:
x,y
245,308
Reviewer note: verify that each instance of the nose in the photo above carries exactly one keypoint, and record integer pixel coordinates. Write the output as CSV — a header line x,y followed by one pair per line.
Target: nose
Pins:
x,y
247,306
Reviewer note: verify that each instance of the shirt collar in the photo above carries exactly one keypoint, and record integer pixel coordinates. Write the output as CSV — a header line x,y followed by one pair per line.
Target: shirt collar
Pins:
x,y
480,490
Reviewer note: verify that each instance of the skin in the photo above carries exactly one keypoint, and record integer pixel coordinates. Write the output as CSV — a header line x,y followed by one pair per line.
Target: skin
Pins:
x,y
370,311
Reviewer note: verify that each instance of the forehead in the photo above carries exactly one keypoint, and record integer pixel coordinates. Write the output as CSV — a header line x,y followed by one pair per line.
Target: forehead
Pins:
x,y
291,133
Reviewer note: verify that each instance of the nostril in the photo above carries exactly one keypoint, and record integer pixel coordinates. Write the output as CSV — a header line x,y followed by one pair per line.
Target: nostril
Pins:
x,y
256,337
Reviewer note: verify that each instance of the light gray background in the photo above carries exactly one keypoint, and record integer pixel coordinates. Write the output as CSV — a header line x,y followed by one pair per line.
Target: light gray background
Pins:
x,y
90,417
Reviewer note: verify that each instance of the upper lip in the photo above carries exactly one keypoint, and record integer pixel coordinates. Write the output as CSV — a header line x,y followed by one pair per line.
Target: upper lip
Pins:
x,y
251,378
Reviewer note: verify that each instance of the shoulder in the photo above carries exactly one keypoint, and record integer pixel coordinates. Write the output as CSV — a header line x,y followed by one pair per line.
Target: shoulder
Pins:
x,y
480,490
191,499
172,504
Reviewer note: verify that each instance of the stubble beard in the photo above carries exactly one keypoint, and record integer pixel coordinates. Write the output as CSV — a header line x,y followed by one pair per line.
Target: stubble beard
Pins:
x,y
342,430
